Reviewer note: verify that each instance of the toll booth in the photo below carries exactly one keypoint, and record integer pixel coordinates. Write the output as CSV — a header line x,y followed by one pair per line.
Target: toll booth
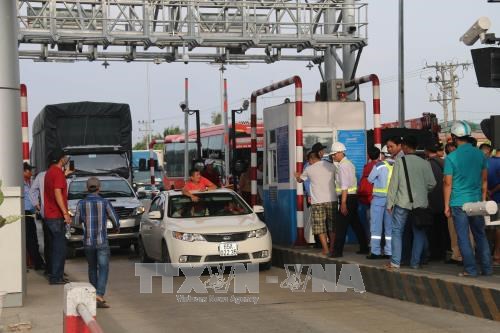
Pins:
x,y
323,122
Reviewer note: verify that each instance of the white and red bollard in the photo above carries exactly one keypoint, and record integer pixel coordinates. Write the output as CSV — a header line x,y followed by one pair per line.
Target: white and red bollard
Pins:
x,y
80,308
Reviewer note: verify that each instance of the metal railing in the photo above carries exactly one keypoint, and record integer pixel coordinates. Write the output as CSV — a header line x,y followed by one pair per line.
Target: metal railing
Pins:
x,y
234,25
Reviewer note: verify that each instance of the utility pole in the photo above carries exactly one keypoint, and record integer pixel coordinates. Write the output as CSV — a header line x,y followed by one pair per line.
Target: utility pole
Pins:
x,y
148,129
446,81
401,67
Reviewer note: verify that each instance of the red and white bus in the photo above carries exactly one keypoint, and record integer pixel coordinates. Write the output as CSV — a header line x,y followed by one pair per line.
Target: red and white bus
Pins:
x,y
212,147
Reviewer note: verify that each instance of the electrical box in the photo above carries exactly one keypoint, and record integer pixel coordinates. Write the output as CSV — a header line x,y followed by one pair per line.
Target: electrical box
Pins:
x,y
487,66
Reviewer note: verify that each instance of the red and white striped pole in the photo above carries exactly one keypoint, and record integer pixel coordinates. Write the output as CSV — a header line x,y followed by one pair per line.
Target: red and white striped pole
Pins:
x,y
24,123
377,129
299,152
152,160
226,137
80,308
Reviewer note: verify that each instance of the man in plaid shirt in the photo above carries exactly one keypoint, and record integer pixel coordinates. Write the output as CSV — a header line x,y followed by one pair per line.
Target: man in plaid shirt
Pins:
x,y
93,212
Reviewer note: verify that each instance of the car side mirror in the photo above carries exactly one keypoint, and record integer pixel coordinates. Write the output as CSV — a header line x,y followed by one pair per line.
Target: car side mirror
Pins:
x,y
141,195
258,209
155,215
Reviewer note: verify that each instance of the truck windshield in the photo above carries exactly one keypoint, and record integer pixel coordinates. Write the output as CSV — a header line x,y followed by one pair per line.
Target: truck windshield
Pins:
x,y
109,189
101,163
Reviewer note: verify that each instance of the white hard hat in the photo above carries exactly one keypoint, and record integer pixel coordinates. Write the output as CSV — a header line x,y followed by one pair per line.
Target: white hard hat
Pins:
x,y
337,147
460,129
385,151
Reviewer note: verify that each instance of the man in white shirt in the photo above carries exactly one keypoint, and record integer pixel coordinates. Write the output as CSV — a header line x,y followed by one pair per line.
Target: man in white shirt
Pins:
x,y
321,175
36,195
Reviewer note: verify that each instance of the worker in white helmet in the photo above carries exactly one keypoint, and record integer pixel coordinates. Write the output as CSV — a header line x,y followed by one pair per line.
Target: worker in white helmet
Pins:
x,y
465,180
346,188
384,153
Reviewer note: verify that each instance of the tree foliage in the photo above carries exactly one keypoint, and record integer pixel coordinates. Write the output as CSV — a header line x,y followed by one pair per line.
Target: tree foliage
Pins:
x,y
142,145
216,118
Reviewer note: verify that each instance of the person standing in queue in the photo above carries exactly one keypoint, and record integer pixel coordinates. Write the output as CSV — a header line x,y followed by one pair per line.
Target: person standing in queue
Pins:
x,y
36,194
29,211
321,175
465,180
381,220
411,181
346,188
56,213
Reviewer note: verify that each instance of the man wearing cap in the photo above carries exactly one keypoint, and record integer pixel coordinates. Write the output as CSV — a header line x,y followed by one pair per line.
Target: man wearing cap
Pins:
x,y
465,180
56,213
211,173
93,212
29,211
346,188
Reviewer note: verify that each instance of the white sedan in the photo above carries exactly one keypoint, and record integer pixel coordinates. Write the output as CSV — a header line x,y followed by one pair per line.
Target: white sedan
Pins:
x,y
220,228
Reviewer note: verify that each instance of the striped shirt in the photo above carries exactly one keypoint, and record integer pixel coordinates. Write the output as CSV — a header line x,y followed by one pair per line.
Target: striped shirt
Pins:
x,y
345,177
93,212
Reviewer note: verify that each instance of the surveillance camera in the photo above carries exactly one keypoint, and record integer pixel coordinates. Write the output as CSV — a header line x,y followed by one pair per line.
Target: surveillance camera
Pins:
x,y
245,104
478,30
185,58
183,106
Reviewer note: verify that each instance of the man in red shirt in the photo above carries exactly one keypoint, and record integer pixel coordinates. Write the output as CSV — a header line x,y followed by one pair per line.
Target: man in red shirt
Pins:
x,y
365,189
211,172
56,213
197,183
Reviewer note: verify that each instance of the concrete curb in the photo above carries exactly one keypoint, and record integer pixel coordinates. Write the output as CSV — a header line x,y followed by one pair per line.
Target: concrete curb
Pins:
x,y
477,301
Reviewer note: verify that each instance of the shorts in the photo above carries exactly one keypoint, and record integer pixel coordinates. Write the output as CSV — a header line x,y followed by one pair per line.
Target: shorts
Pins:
x,y
322,217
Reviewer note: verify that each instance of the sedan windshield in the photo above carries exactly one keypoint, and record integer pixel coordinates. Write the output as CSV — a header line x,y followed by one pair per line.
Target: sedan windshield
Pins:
x,y
210,204
109,189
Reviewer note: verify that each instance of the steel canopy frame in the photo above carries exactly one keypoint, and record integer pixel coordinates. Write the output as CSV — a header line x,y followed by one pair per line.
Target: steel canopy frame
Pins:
x,y
76,30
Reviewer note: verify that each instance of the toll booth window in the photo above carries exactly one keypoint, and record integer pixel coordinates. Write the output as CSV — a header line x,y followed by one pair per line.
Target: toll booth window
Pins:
x,y
326,138
272,136
273,167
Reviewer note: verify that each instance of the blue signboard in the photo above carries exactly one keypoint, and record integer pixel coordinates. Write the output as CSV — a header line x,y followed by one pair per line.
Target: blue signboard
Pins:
x,y
355,143
283,150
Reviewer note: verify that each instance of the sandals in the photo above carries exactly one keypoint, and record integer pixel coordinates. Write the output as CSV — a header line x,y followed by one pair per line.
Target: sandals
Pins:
x,y
102,304
389,267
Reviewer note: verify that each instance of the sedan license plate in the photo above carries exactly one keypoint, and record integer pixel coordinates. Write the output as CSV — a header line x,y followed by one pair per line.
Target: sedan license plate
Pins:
x,y
228,249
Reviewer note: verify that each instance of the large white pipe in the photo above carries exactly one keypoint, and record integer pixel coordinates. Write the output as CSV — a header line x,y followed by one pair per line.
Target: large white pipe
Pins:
x,y
483,208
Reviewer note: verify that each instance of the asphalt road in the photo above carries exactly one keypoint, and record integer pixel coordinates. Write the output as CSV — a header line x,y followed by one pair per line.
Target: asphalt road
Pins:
x,y
273,309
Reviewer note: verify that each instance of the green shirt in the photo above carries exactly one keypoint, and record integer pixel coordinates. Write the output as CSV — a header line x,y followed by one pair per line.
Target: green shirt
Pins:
x,y
421,182
465,166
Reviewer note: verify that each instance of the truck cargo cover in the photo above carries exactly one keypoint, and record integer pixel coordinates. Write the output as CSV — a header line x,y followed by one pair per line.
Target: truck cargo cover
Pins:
x,y
85,123
81,124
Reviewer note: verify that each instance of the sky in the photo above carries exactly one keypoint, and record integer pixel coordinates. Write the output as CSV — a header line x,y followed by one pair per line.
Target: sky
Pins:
x,y
432,31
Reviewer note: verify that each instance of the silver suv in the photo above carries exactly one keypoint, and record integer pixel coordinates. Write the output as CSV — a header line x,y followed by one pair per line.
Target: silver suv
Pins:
x,y
123,199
